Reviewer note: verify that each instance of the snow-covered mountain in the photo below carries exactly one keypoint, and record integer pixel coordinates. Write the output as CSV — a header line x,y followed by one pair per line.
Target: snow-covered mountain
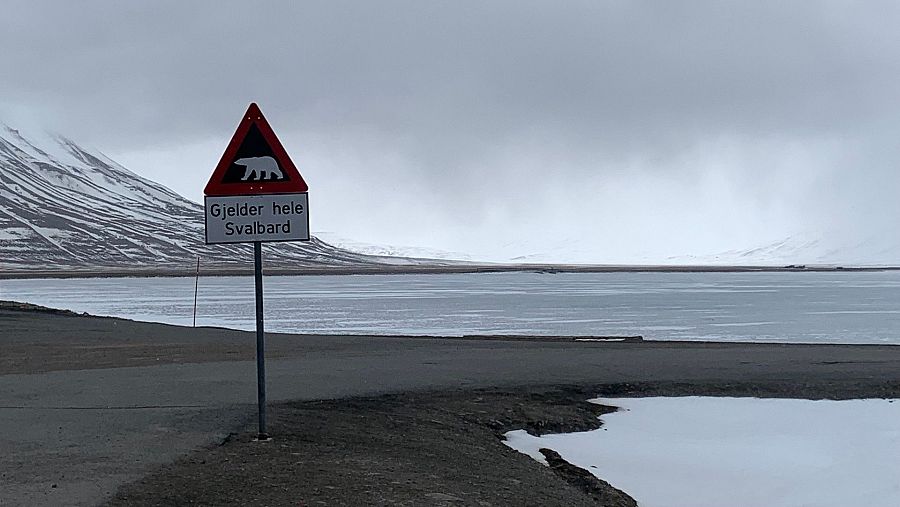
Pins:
x,y
62,205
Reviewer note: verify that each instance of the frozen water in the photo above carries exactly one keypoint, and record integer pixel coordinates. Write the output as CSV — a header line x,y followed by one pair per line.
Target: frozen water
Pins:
x,y
710,452
830,307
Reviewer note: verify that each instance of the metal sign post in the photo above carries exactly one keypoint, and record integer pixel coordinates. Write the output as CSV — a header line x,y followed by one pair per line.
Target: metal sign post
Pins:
x,y
260,341
256,194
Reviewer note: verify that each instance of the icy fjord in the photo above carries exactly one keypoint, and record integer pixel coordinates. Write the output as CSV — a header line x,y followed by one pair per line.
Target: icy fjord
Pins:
x,y
831,307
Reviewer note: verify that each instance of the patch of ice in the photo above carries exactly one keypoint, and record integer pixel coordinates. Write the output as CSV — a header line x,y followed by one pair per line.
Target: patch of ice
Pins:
x,y
695,451
743,324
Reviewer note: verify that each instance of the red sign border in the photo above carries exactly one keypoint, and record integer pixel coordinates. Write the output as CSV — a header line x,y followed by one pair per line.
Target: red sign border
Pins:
x,y
295,183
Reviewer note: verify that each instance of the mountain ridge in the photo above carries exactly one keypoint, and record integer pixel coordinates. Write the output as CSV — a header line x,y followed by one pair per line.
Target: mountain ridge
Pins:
x,y
65,206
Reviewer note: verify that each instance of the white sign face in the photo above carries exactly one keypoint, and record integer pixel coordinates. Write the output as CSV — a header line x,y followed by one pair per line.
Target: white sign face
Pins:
x,y
249,218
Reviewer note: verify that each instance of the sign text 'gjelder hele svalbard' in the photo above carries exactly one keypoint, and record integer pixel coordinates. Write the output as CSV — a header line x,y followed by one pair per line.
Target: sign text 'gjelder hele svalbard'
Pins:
x,y
247,218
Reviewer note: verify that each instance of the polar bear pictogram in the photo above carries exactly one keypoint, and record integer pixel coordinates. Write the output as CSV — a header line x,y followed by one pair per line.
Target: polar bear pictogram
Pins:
x,y
266,168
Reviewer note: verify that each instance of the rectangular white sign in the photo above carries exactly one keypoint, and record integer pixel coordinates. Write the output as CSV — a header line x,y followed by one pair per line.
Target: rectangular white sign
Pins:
x,y
249,218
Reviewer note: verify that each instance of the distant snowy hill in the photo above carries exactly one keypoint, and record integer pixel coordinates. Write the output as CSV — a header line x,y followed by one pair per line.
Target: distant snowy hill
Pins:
x,y
823,248
62,205
812,249
392,250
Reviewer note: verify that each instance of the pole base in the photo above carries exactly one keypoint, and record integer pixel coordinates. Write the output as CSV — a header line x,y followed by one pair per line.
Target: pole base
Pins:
x,y
262,437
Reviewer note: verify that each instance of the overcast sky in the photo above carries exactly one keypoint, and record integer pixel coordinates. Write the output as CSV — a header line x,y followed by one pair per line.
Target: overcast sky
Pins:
x,y
602,131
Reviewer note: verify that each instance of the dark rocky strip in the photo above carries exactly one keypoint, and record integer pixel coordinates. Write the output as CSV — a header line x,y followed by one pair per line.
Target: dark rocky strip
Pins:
x,y
598,489
423,268
436,448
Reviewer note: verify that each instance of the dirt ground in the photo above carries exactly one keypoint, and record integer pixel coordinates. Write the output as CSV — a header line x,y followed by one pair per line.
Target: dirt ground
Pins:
x,y
441,448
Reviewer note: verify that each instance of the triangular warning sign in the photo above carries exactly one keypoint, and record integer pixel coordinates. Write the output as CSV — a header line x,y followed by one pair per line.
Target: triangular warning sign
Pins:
x,y
255,162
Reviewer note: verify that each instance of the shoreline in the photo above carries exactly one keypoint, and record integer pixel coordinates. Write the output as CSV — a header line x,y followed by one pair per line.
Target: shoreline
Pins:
x,y
437,269
113,342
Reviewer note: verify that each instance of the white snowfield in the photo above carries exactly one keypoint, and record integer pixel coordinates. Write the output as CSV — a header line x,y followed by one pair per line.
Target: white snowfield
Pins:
x,y
741,452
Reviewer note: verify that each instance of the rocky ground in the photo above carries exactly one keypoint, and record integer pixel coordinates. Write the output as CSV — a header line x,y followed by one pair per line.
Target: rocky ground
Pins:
x,y
436,448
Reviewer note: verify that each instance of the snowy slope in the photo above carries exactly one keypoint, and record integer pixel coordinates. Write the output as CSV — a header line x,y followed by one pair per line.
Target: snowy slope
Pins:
x,y
409,252
65,206
821,248
811,248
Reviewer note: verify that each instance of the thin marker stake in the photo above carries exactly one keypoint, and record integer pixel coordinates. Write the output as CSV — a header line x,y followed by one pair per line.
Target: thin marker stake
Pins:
x,y
196,285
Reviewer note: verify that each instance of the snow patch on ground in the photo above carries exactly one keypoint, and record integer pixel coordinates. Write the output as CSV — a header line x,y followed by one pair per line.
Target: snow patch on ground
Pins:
x,y
698,451
15,233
